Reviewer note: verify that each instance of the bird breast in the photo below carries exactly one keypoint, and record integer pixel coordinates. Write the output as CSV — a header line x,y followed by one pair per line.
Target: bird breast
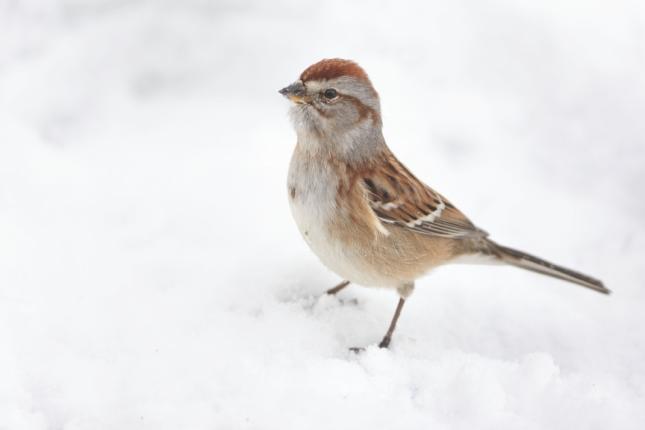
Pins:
x,y
343,243
312,186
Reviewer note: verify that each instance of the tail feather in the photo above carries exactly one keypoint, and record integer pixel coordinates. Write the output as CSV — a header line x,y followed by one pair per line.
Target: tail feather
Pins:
x,y
529,262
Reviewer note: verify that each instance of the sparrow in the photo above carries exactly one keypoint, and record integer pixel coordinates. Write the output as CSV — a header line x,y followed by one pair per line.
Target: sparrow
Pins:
x,y
360,210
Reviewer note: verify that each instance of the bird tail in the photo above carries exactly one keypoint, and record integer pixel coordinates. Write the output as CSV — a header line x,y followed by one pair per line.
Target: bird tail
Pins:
x,y
529,262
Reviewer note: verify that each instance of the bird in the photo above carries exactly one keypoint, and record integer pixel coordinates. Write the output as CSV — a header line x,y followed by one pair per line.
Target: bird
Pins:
x,y
361,211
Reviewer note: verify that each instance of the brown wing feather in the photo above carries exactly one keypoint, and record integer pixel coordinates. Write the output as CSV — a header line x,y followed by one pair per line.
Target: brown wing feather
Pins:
x,y
397,197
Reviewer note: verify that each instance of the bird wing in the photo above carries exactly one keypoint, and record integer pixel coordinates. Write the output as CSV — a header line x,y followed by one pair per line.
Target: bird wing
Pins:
x,y
397,197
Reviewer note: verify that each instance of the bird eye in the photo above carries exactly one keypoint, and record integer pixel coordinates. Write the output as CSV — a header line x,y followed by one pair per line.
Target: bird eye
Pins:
x,y
330,93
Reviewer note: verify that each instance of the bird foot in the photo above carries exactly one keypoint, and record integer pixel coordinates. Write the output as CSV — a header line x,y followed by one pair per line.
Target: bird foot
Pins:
x,y
385,343
337,288
352,302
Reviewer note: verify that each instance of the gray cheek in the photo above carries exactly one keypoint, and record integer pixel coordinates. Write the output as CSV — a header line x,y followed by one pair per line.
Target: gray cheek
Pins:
x,y
344,115
324,119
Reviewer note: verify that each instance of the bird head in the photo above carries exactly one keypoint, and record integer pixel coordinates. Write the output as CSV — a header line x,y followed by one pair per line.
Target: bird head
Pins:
x,y
333,97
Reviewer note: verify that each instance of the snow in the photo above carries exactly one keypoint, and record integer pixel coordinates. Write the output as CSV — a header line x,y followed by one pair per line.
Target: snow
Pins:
x,y
151,275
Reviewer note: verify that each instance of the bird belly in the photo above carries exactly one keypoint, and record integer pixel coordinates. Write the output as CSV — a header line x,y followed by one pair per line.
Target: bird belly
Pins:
x,y
312,190
354,245
348,262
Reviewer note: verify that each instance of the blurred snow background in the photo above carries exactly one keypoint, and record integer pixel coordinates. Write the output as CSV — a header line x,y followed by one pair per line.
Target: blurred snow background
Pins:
x,y
150,273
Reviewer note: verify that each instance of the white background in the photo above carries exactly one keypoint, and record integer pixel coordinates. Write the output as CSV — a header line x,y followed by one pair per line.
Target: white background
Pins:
x,y
151,275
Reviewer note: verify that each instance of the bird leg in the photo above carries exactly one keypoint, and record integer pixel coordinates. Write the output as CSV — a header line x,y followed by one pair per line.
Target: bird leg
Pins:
x,y
337,288
388,336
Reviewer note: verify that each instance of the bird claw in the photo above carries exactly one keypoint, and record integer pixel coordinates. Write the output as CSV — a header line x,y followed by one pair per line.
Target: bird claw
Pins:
x,y
352,302
385,343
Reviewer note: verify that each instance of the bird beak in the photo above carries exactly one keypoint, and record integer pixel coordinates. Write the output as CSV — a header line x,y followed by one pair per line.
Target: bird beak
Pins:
x,y
295,92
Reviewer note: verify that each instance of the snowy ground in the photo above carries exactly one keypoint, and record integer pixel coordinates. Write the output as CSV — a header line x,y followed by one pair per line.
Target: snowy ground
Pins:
x,y
151,275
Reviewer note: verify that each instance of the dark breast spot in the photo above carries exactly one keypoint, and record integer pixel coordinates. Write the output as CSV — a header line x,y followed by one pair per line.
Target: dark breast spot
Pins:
x,y
292,192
